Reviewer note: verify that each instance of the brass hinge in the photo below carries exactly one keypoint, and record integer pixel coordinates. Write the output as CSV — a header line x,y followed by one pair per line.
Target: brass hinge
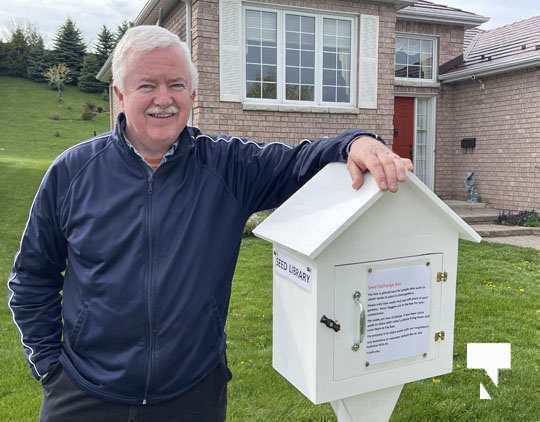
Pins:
x,y
439,336
442,276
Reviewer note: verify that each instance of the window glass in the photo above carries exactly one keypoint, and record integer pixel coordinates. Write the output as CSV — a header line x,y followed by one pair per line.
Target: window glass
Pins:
x,y
299,43
261,54
337,44
414,58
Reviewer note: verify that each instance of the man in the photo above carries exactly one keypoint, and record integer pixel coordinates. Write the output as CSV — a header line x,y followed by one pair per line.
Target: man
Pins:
x,y
121,286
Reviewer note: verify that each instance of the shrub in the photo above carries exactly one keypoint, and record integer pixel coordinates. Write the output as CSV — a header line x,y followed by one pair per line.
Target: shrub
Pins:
x,y
519,218
88,115
254,220
57,134
99,109
89,111
90,105
54,116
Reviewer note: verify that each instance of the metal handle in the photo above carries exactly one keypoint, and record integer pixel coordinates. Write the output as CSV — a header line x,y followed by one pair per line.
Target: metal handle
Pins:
x,y
360,322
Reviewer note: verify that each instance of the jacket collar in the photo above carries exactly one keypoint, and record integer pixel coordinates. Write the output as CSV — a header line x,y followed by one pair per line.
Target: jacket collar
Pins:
x,y
185,142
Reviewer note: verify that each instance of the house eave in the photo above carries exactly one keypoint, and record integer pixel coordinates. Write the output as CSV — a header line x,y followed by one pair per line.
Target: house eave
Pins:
x,y
145,12
442,17
105,73
488,70
400,4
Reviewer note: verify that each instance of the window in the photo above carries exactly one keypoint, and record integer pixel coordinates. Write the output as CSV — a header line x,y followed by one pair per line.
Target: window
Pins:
x,y
299,57
336,60
293,57
261,55
415,58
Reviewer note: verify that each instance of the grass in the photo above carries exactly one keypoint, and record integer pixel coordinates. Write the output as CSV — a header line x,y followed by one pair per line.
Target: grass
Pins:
x,y
498,298
28,143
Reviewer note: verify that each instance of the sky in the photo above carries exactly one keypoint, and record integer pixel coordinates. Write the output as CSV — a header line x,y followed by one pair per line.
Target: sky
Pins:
x,y
90,15
48,15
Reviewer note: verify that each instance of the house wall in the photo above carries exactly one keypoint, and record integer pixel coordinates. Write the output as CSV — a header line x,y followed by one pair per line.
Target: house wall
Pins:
x,y
175,21
214,116
503,113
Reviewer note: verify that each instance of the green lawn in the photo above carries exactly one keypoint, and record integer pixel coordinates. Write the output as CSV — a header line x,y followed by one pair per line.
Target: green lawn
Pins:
x,y
498,297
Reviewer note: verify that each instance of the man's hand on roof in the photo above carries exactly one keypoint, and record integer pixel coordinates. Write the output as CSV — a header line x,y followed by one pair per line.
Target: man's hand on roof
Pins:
x,y
368,154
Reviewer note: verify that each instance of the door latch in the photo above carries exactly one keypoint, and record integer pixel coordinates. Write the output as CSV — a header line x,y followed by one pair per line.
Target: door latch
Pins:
x,y
330,323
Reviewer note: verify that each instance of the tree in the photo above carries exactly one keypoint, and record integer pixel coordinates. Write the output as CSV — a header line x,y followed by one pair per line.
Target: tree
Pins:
x,y
38,58
87,79
58,76
18,51
70,48
121,30
105,45
4,57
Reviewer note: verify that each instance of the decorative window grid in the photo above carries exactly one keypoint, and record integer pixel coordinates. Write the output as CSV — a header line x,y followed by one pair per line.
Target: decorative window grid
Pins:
x,y
415,58
299,58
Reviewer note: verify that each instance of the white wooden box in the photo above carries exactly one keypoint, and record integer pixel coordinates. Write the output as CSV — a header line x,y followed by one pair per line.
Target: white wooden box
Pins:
x,y
334,246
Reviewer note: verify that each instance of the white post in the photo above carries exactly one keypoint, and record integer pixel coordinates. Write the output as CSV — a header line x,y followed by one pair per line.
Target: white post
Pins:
x,y
375,406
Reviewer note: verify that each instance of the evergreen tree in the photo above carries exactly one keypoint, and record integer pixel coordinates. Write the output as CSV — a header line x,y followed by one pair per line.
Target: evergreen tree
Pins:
x,y
70,49
120,31
4,58
18,51
105,45
37,58
87,79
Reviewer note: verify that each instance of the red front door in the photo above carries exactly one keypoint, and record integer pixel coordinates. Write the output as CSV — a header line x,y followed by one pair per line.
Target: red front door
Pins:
x,y
403,126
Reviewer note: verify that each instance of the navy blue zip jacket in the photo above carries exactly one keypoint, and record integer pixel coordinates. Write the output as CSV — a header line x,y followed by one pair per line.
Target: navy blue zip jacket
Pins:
x,y
125,277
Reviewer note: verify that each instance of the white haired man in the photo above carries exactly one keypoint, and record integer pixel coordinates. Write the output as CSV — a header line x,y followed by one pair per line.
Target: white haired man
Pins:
x,y
121,285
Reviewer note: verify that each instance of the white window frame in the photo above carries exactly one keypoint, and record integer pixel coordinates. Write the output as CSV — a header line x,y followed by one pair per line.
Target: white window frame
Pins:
x,y
435,69
431,130
281,58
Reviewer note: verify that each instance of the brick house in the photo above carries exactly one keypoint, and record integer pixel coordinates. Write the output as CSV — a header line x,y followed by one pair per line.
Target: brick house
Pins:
x,y
492,94
287,70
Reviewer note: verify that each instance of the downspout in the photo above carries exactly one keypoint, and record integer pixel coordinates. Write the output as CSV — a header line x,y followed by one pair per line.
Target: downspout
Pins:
x,y
188,42
111,101
188,23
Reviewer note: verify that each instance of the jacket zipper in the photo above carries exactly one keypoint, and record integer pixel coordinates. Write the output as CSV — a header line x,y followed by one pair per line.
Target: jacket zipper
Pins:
x,y
148,291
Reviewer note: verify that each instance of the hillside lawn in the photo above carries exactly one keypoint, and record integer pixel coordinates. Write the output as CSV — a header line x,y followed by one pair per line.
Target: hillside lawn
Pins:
x,y
498,296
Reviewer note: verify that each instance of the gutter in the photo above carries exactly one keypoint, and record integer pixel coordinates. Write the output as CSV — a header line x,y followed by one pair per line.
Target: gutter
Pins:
x,y
398,3
492,69
442,17
146,10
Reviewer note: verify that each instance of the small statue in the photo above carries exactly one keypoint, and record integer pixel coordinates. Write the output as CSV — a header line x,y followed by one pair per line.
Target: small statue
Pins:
x,y
472,190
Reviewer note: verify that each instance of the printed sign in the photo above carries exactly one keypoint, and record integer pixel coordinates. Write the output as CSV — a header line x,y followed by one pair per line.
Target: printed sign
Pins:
x,y
293,270
398,310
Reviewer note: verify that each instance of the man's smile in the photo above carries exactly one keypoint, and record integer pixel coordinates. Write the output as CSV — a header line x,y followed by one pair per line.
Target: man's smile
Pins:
x,y
161,115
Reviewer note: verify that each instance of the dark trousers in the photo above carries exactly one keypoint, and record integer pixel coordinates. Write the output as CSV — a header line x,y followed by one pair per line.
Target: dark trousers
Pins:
x,y
64,401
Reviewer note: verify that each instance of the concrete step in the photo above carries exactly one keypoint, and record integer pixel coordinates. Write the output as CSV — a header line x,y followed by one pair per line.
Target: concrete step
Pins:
x,y
498,230
456,204
478,215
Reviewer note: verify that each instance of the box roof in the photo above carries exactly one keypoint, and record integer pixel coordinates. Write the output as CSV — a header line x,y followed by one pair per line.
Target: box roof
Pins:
x,y
293,224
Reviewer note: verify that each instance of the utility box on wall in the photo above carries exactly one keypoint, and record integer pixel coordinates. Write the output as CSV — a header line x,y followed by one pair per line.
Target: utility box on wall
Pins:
x,y
364,285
